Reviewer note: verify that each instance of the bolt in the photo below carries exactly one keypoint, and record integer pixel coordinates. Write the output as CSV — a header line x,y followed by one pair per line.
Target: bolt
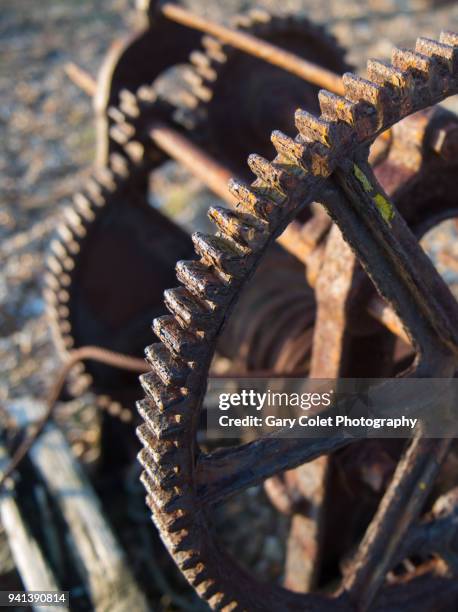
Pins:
x,y
444,142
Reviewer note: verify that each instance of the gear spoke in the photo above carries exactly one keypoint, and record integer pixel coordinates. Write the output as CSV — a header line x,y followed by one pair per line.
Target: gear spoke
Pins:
x,y
224,473
395,254
400,506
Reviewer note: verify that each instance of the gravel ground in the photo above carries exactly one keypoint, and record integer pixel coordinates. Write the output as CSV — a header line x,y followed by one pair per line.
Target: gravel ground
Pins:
x,y
48,140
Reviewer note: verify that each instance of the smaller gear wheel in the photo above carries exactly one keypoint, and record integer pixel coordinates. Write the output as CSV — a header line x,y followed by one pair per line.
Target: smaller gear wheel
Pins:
x,y
237,97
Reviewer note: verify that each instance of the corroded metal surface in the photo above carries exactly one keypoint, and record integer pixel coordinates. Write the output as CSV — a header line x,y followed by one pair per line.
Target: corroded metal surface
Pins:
x,y
326,162
329,153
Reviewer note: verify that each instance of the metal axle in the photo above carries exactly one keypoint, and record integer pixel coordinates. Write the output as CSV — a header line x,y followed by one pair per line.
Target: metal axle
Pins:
x,y
258,48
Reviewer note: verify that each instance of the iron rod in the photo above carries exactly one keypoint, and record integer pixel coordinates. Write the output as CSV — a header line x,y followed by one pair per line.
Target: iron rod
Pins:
x,y
214,175
257,47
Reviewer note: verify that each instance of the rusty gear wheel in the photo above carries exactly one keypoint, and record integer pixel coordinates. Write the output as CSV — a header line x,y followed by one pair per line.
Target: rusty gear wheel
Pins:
x,y
236,98
124,69
111,260
327,162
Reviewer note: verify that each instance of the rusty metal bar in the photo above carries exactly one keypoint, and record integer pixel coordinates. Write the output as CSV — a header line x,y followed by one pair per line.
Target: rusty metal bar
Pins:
x,y
196,160
81,78
258,48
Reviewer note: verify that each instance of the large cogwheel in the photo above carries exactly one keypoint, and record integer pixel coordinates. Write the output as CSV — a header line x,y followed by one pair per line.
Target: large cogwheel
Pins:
x,y
326,162
235,97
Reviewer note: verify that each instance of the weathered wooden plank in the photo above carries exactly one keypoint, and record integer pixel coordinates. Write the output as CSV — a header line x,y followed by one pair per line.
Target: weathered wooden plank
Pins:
x,y
98,555
28,558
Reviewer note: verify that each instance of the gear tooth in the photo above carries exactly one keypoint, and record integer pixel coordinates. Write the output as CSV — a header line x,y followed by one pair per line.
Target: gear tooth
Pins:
x,y
208,589
201,575
127,97
196,81
189,310
336,108
260,15
238,227
119,165
253,202
361,116
288,148
65,280
445,55
65,327
272,174
68,343
408,60
119,135
67,263
95,191
68,238
146,94
166,500
84,207
192,77
73,220
128,104
170,523
262,168
422,69
203,66
54,265
241,22
116,114
63,311
165,425
145,435
50,297
58,248
184,540
63,296
226,603
220,253
199,59
358,89
320,129
449,38
164,397
180,343
171,371
104,176
168,476
191,562
214,49
122,132
383,73
164,452
200,281
180,523
136,151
